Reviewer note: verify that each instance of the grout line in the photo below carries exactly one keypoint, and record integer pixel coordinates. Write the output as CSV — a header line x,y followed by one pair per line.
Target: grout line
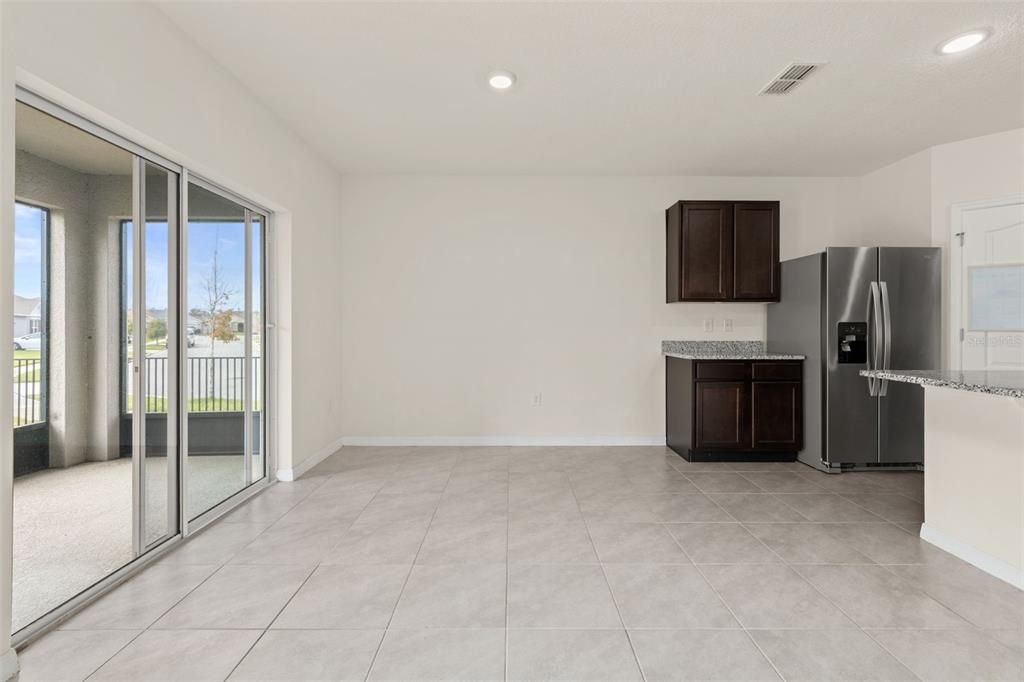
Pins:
x,y
886,649
568,474
608,584
220,521
162,614
729,608
276,616
304,581
405,583
109,658
508,559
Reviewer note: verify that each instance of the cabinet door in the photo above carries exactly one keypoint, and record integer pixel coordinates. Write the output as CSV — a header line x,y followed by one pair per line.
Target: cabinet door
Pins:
x,y
706,251
755,267
778,420
721,419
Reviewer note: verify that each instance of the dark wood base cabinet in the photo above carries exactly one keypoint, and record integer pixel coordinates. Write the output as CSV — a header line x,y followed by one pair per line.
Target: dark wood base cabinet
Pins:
x,y
734,410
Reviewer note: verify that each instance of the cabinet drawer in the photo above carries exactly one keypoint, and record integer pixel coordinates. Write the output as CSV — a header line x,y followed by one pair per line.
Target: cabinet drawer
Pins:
x,y
778,371
722,371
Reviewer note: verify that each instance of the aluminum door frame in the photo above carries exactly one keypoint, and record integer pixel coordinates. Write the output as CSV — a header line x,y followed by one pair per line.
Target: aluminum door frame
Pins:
x,y
851,412
910,280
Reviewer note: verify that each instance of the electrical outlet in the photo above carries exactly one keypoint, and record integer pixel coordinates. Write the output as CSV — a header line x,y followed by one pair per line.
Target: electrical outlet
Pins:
x,y
709,324
727,324
537,400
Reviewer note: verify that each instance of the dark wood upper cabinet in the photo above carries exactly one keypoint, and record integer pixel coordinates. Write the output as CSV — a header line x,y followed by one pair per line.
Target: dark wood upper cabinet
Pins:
x,y
756,251
722,251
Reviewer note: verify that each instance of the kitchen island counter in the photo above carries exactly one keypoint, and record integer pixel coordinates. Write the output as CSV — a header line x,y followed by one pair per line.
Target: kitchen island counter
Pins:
x,y
1006,383
973,465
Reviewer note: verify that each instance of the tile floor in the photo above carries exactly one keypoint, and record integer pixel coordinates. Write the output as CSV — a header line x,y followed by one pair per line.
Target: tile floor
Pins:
x,y
553,564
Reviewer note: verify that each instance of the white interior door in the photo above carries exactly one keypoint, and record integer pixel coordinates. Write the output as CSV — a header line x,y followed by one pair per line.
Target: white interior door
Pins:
x,y
990,309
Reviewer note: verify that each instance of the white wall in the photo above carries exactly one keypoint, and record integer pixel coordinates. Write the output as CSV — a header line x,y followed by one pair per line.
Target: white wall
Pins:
x,y
462,297
125,66
910,202
888,207
976,169
135,72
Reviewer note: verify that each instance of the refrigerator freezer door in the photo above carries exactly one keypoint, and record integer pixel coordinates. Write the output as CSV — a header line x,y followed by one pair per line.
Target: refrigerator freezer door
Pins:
x,y
912,307
795,326
851,420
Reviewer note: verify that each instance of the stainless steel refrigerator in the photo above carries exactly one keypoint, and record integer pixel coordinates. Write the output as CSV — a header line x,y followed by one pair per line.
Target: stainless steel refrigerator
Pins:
x,y
852,308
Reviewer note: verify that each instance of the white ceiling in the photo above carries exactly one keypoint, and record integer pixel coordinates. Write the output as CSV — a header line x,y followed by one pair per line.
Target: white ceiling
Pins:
x,y
636,88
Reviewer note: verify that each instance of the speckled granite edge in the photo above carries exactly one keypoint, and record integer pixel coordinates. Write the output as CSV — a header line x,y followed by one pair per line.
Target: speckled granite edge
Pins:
x,y
722,350
1008,383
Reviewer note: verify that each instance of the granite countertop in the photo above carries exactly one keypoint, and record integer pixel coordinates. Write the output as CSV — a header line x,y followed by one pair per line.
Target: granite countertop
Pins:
x,y
722,350
1008,383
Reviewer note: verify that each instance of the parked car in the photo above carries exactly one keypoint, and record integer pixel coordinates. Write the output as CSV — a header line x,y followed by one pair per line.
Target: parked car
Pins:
x,y
29,342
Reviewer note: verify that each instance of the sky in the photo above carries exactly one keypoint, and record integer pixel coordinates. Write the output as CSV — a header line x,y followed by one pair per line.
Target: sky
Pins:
x,y
203,237
28,233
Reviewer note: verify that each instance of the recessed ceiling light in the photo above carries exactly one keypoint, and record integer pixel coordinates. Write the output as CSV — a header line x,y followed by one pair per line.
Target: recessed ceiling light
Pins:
x,y
501,80
963,42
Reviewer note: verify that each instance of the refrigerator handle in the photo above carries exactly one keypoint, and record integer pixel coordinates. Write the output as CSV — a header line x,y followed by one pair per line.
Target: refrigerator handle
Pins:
x,y
886,337
874,356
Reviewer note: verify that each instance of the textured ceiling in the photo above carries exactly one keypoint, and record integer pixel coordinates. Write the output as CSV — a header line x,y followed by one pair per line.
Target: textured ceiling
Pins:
x,y
630,88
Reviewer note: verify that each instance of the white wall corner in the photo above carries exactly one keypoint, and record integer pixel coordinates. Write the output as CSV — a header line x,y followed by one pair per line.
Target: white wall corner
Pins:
x,y
293,473
975,557
9,665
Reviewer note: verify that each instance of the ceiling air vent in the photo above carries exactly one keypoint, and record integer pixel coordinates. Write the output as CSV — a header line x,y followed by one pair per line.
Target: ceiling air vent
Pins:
x,y
791,76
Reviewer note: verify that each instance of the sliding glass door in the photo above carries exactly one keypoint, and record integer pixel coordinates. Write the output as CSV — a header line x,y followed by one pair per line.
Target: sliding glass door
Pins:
x,y
139,357
224,288
95,428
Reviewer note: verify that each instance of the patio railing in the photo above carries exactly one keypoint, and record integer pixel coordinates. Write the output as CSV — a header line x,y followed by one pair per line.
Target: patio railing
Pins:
x,y
215,384
28,392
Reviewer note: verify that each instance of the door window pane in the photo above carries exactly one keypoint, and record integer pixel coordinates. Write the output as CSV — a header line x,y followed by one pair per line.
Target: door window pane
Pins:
x,y
159,462
996,298
74,520
216,363
257,380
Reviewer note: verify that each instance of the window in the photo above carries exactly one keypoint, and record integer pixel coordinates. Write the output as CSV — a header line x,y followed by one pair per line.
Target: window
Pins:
x,y
31,230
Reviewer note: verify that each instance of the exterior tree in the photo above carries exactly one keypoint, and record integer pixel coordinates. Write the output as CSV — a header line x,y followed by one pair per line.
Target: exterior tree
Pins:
x,y
218,295
156,329
220,327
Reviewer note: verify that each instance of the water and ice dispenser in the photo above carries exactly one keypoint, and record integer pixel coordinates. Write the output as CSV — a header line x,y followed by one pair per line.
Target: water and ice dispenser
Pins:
x,y
853,342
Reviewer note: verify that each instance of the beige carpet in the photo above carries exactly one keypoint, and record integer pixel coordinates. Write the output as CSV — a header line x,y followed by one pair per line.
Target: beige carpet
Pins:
x,y
72,527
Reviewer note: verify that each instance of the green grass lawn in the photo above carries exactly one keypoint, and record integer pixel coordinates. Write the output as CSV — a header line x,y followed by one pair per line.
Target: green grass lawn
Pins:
x,y
26,355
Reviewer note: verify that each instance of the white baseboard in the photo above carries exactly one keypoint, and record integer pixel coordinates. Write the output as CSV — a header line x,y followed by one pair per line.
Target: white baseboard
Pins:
x,y
522,441
310,462
975,557
8,665
464,441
